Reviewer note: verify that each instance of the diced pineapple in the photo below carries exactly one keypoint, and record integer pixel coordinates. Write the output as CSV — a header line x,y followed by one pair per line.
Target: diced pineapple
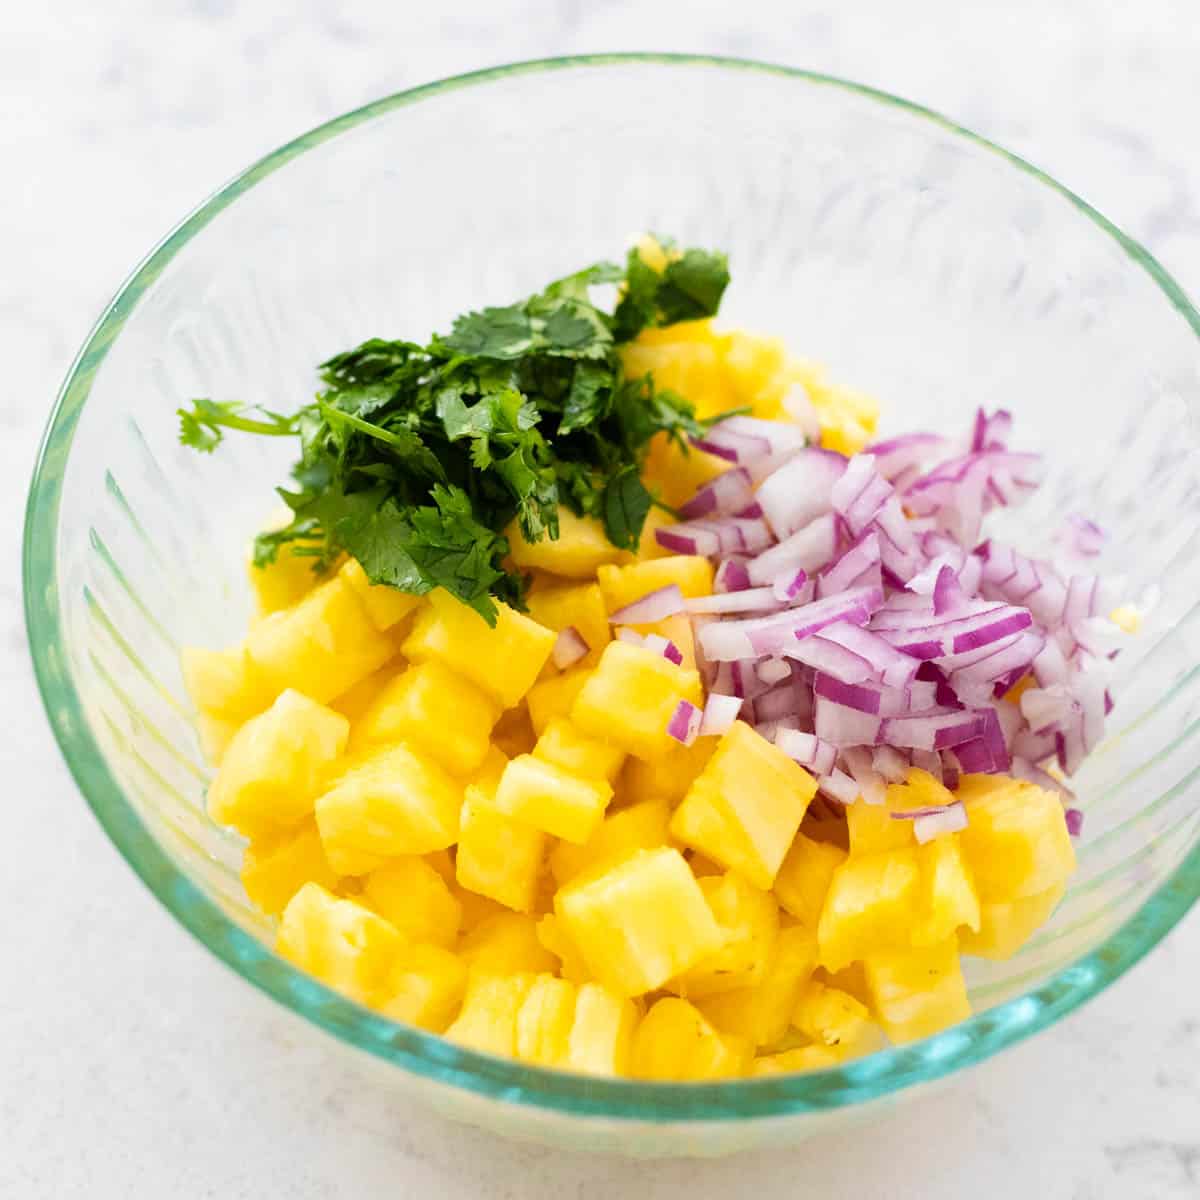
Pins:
x,y
498,856
476,909
394,802
565,746
436,711
689,366
488,1020
916,993
948,898
1004,927
513,734
869,907
504,944
552,934
416,899
639,923
641,826
601,1037
830,1016
581,546
580,605
873,830
1016,841
386,606
355,701
678,631
274,871
285,581
503,660
544,1021
674,475
322,646
803,880
623,585
919,790
674,1041
802,1058
224,682
554,697
648,544
551,799
761,1014
346,946
702,866
214,734
847,418
425,988
443,864
759,372
669,777
274,767
630,698
745,807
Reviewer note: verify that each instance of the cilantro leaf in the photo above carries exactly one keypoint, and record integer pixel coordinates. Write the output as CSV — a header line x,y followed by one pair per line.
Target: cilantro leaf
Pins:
x,y
201,427
688,289
626,503
492,333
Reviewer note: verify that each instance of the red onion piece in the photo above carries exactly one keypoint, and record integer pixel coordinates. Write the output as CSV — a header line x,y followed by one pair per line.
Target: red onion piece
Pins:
x,y
631,636
663,646
749,439
808,750
657,605
762,600
719,714
805,550
798,492
731,576
790,584
892,765
837,785
728,493
684,725
860,493
931,825
872,785
569,647
859,564
1074,819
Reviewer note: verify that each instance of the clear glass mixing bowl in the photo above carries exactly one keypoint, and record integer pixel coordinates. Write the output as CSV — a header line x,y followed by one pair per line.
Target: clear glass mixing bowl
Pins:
x,y
919,261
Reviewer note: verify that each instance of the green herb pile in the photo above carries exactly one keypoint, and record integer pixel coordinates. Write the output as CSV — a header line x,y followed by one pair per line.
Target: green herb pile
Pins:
x,y
415,459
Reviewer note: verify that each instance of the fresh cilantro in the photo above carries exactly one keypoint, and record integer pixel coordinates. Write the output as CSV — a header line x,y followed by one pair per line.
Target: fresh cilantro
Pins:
x,y
626,503
202,427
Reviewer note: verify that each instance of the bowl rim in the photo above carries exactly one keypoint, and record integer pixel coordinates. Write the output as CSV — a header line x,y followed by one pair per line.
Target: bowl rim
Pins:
x,y
428,1055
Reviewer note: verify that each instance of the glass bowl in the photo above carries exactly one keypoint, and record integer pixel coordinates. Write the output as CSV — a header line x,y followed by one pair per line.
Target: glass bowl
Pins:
x,y
919,261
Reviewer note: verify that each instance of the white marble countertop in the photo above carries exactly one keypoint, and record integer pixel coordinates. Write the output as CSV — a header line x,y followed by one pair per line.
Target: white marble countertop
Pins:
x,y
131,1062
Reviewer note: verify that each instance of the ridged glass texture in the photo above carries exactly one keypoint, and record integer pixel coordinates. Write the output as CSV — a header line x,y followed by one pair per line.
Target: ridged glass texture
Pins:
x,y
918,261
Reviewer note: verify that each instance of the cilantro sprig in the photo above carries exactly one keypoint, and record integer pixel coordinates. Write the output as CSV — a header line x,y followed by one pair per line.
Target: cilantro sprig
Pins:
x,y
416,458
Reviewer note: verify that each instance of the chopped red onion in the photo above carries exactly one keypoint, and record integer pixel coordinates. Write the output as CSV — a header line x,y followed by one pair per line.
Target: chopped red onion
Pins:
x,y
749,439
859,564
728,493
900,454
663,646
657,605
930,762
860,493
731,576
1074,820
684,725
761,600
631,636
837,785
720,712
1082,536
931,825
808,750
872,785
774,670
569,647
790,584
892,765
799,491
807,549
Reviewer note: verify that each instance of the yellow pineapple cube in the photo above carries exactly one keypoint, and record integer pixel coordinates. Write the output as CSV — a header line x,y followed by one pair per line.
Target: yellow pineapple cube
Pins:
x,y
630,698
1016,841
916,993
674,1041
355,701
346,946
801,1058
513,734
873,830
948,898
1005,926
639,923
830,1016
580,605
424,988
641,826
214,735
504,660
275,870
504,944
435,710
385,605
749,922
544,1021
322,646
667,778
581,546
847,418
498,856
623,585
554,697
411,894
488,1020
919,790
759,372
761,1014
648,544
284,582
688,366
745,807
869,907
553,936
476,909
223,683
674,473
393,802
803,879
678,631
275,765
565,746
601,1036
550,799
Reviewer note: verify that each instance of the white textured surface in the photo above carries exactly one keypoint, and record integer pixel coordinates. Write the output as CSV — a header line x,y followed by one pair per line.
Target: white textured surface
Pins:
x,y
131,1062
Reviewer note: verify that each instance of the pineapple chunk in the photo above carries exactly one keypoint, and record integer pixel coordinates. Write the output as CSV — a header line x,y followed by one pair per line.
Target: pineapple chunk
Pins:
x,y
564,746
674,475
601,1035
759,372
551,799
674,1041
869,907
394,802
919,790
761,1014
623,585
347,947
544,1021
385,605
678,631
273,769
513,734
749,921
746,806
581,547
690,367
285,581
803,880
874,831
504,944
801,1058
648,544
443,864
435,710
503,660
554,697
669,777
830,1016
553,936
497,855
476,909
355,701
639,923
580,605
321,647
215,734
274,871
491,770
1006,926
948,900
488,1020
917,992
639,827
630,697
416,899
1016,841
847,418
224,683
425,988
